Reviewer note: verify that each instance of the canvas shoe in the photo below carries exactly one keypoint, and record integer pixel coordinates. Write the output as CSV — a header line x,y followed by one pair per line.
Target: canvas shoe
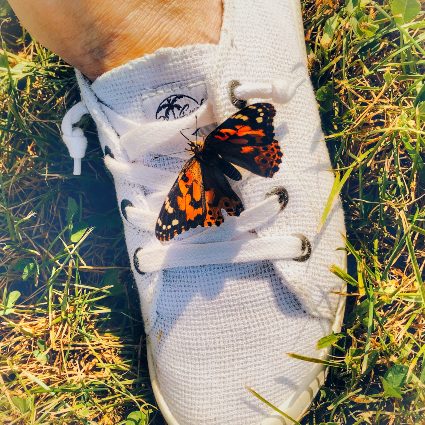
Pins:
x,y
223,306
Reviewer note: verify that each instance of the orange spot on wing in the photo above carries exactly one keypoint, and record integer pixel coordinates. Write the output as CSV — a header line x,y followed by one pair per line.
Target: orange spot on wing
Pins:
x,y
183,187
209,196
225,133
239,131
244,130
184,204
181,203
196,191
192,213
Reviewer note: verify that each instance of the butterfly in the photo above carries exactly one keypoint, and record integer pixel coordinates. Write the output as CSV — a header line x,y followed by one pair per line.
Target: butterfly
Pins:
x,y
201,190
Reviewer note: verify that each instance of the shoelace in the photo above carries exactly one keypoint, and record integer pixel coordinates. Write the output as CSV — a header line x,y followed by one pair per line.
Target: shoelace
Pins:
x,y
236,240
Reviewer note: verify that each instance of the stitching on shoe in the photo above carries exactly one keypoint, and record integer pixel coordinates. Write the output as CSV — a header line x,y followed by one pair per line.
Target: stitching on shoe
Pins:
x,y
171,88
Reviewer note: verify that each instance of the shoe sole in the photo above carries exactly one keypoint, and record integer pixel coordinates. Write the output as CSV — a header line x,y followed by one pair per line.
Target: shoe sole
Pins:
x,y
297,406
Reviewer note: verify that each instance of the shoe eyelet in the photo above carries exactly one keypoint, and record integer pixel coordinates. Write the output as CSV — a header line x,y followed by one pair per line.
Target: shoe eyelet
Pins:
x,y
136,261
239,103
282,196
124,204
108,151
305,249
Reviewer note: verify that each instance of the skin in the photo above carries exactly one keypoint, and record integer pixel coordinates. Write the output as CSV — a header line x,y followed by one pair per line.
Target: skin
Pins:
x,y
96,36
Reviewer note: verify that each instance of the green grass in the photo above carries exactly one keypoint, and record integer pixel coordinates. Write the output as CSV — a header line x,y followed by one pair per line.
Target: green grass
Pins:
x,y
71,341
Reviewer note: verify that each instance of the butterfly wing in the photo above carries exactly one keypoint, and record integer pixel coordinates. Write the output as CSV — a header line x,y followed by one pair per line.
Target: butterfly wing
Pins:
x,y
247,139
196,199
219,196
184,207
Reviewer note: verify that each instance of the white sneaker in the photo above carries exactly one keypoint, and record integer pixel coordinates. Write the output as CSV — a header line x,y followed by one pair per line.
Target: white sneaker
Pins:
x,y
223,306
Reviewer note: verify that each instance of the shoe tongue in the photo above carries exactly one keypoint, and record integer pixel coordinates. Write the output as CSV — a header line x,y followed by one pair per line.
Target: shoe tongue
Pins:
x,y
165,85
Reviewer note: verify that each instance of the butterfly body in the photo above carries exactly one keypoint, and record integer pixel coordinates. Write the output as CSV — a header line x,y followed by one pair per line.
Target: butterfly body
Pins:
x,y
210,158
202,191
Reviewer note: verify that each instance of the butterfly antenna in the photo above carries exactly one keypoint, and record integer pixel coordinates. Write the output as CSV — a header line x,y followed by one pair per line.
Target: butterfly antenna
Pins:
x,y
181,132
169,154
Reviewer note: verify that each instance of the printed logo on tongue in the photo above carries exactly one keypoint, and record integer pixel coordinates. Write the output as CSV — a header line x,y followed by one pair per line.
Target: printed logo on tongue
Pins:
x,y
174,101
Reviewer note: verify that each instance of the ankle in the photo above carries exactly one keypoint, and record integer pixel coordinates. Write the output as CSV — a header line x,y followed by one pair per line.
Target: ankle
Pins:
x,y
169,24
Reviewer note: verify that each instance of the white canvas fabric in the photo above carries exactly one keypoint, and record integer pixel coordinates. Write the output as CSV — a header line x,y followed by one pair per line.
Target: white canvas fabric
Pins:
x,y
220,327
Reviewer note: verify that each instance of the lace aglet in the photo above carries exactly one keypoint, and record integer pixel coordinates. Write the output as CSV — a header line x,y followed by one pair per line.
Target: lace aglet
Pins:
x,y
77,167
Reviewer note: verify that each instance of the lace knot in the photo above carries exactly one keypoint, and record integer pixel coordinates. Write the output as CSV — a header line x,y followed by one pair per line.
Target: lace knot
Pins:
x,y
74,137
76,142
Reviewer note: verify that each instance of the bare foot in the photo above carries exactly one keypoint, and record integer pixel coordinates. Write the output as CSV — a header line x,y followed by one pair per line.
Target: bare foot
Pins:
x,y
96,36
